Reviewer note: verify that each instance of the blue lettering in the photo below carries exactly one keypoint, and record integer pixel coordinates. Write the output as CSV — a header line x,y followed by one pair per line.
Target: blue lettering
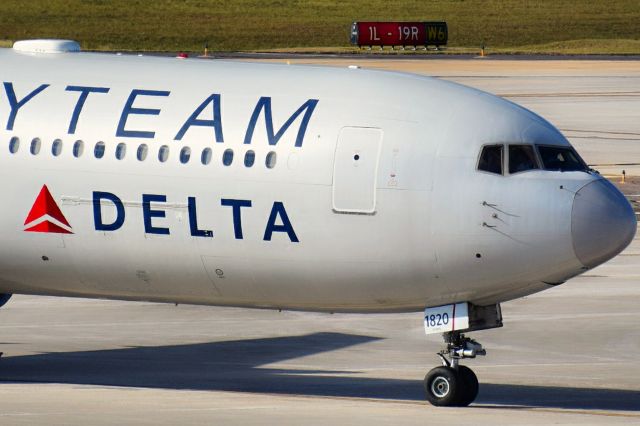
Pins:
x,y
278,210
97,211
265,103
84,94
129,109
237,218
215,122
278,219
15,104
193,221
149,214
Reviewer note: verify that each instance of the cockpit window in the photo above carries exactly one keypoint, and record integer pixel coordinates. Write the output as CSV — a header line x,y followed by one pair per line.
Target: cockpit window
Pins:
x,y
491,159
561,158
522,158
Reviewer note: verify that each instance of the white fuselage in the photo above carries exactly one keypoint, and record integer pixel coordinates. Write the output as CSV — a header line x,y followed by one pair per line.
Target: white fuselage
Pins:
x,y
364,194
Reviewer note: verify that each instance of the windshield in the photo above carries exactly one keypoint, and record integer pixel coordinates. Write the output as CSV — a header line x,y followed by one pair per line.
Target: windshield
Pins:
x,y
560,158
491,159
522,158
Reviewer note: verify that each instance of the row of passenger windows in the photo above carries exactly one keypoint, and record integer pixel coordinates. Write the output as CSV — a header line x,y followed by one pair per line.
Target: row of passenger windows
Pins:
x,y
527,157
142,152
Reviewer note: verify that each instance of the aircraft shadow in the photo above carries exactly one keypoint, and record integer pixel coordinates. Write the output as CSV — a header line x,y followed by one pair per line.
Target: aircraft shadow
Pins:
x,y
522,396
235,366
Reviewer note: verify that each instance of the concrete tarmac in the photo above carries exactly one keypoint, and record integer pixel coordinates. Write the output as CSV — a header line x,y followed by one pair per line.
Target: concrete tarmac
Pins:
x,y
569,355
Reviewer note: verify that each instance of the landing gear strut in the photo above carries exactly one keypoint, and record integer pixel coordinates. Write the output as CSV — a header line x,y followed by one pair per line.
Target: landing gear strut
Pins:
x,y
454,385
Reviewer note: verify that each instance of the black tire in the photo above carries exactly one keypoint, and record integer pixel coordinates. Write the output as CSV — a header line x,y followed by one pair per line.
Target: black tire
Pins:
x,y
442,387
469,386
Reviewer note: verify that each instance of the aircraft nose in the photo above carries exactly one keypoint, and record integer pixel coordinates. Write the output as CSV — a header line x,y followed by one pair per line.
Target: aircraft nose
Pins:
x,y
603,223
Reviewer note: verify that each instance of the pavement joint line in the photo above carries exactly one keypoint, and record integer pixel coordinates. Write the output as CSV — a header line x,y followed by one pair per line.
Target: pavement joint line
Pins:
x,y
558,410
542,364
425,404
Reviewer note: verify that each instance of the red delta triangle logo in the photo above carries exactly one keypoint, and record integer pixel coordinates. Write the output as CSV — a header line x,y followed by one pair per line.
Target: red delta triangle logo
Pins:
x,y
46,216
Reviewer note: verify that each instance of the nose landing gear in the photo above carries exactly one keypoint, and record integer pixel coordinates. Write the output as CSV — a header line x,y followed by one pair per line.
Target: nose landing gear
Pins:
x,y
454,385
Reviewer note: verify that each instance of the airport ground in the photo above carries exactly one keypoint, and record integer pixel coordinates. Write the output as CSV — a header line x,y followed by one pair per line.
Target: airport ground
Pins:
x,y
569,355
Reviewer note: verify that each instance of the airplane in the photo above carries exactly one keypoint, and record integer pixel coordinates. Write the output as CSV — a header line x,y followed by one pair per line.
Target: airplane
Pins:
x,y
290,187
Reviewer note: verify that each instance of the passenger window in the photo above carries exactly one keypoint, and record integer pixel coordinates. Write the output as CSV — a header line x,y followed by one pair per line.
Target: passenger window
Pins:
x,y
142,152
98,151
227,157
249,158
163,153
270,161
560,158
78,148
35,146
491,159
205,158
56,148
185,155
14,144
521,158
121,151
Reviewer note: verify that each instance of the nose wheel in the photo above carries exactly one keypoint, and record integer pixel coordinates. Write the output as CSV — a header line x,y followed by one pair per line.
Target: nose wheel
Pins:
x,y
448,387
452,384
